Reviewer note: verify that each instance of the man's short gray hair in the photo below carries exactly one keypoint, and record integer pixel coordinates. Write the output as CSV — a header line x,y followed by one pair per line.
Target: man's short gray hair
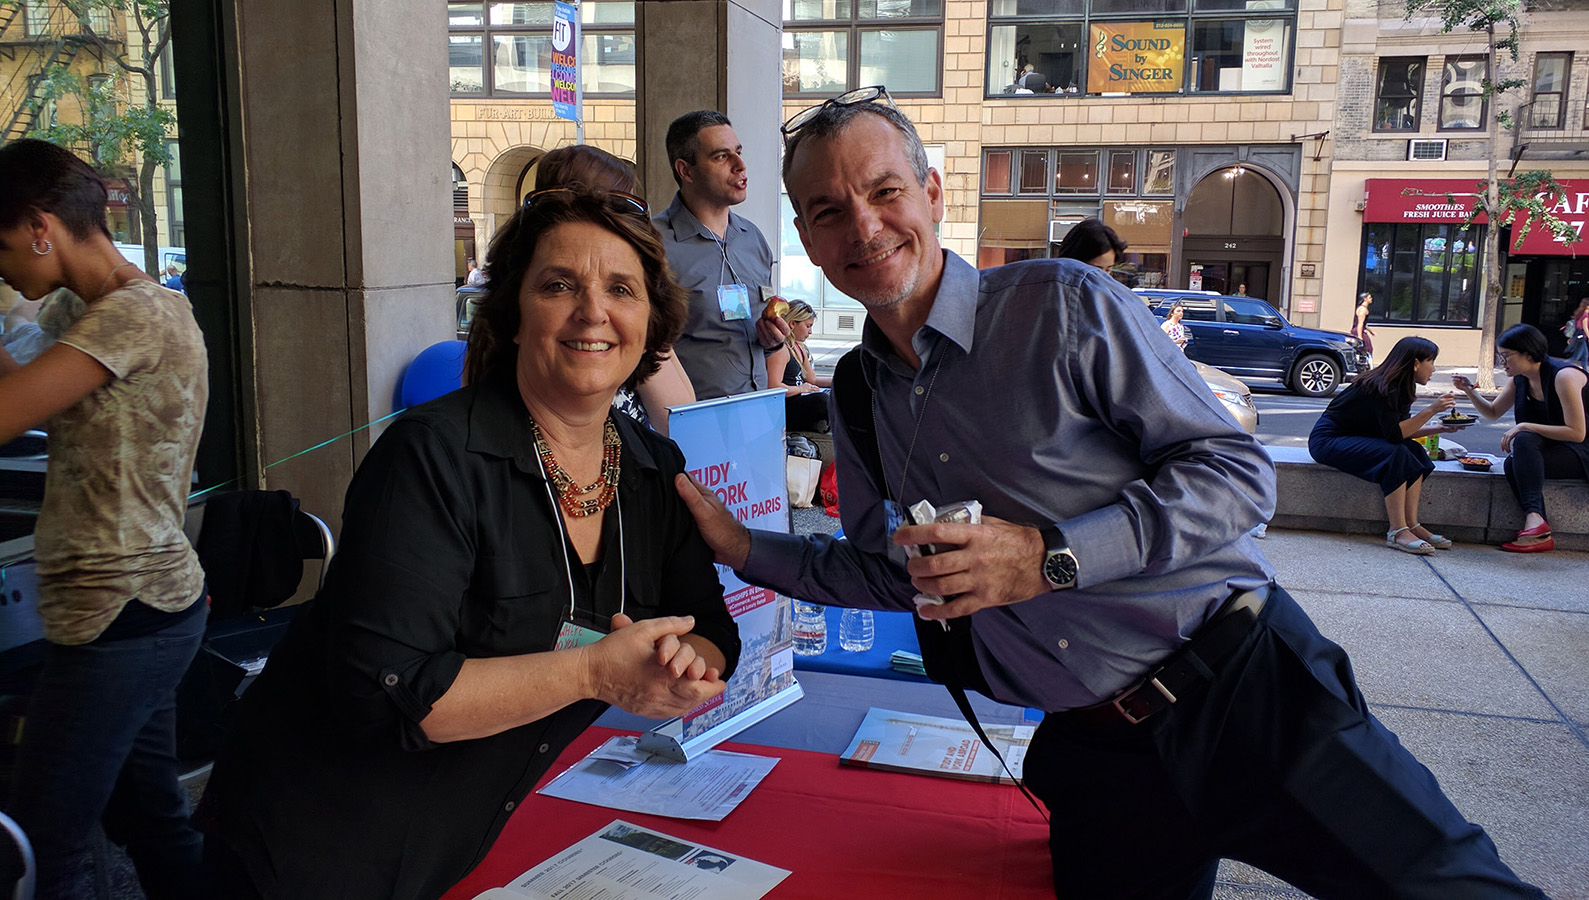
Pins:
x,y
834,120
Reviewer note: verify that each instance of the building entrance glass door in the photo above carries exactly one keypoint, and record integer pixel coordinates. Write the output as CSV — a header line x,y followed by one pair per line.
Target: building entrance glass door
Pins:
x,y
1226,277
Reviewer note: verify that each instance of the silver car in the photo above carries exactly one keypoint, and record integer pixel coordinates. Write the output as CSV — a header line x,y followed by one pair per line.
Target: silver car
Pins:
x,y
1234,393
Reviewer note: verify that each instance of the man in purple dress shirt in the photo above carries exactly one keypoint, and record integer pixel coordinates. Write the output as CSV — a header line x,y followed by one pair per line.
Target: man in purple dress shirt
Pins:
x,y
1194,712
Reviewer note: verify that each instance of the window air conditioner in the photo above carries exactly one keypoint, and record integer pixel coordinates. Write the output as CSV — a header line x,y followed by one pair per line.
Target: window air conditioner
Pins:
x,y
1058,228
1428,149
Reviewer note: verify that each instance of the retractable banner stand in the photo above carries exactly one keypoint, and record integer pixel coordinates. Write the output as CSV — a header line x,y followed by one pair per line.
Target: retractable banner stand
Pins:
x,y
735,447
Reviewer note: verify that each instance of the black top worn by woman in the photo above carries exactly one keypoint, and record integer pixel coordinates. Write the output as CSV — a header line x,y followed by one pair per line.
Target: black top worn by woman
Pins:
x,y
449,551
1548,411
1360,434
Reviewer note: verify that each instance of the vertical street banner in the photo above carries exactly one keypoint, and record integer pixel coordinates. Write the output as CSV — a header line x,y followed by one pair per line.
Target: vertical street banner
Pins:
x,y
565,61
734,446
1263,55
1137,58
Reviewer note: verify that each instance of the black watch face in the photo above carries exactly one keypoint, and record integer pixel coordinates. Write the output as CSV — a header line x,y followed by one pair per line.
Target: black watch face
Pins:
x,y
1060,569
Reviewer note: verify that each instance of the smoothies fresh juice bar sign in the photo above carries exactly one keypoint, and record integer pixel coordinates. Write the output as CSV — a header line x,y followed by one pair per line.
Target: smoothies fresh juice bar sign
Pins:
x,y
1137,58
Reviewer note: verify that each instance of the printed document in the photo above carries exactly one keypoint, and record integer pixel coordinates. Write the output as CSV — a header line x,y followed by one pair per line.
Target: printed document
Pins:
x,y
619,775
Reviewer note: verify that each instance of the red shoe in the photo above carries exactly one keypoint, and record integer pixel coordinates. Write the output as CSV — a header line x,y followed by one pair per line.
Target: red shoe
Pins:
x,y
1540,530
1546,545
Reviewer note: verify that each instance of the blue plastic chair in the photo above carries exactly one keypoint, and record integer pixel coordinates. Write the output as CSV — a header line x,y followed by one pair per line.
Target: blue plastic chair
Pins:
x,y
437,370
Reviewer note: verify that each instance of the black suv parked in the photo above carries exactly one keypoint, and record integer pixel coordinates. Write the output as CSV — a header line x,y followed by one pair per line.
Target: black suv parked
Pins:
x,y
1248,338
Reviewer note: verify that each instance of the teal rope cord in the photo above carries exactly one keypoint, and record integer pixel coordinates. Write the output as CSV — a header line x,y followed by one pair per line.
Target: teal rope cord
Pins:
x,y
197,494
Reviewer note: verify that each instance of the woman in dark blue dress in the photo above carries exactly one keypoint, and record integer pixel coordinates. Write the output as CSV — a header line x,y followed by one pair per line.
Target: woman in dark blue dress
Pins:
x,y
1370,431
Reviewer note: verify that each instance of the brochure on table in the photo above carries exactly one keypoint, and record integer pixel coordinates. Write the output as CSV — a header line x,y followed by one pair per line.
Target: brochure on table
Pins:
x,y
934,745
735,447
619,775
627,862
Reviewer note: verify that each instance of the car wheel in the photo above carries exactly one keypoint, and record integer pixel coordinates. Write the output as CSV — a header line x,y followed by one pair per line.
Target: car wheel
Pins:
x,y
1316,375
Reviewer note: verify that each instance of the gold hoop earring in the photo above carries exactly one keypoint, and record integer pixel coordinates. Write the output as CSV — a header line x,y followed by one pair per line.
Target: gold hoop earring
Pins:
x,y
47,247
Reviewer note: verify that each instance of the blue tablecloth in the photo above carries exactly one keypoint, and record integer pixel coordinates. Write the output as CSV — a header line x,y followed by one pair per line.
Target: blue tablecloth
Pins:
x,y
894,632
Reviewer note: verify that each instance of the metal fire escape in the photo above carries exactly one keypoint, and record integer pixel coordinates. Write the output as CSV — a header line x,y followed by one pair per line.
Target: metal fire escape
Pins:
x,y
34,51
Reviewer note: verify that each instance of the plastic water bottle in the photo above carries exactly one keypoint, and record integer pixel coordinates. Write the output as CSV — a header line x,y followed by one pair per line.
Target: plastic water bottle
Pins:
x,y
810,629
856,630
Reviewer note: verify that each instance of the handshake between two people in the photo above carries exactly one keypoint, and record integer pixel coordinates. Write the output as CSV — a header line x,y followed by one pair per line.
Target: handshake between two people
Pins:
x,y
994,563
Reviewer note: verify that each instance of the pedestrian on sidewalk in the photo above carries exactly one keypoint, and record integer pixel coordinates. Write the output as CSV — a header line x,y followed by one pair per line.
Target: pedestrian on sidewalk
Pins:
x,y
1360,329
1547,397
1371,432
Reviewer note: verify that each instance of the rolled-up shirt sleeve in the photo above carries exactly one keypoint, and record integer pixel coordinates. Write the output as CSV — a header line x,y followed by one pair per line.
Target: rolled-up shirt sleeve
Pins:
x,y
1210,481
855,570
395,591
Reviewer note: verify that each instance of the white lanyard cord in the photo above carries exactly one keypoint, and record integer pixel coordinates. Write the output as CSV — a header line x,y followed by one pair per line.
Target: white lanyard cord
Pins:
x,y
568,566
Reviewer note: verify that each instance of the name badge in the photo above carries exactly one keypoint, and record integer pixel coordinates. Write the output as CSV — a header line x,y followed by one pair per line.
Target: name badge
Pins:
x,y
734,302
572,635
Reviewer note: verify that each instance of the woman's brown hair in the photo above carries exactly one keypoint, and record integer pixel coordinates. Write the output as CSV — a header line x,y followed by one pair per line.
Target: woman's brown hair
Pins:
x,y
493,354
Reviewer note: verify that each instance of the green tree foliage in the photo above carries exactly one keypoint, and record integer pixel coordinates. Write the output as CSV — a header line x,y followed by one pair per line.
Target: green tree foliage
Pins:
x,y
1523,199
122,128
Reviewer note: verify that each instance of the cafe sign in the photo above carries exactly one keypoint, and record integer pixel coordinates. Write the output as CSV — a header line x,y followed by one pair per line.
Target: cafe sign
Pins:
x,y
1137,58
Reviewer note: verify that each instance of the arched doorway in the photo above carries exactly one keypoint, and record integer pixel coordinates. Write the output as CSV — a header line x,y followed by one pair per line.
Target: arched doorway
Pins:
x,y
1235,234
507,180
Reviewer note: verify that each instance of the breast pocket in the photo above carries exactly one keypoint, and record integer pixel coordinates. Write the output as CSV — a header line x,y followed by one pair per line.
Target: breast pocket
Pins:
x,y
515,605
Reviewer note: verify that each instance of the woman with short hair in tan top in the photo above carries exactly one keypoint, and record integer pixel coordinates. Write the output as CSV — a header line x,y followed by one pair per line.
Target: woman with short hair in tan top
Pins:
x,y
122,395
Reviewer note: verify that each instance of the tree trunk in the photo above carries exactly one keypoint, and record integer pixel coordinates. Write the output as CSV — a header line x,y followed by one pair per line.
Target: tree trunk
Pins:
x,y
143,197
1491,302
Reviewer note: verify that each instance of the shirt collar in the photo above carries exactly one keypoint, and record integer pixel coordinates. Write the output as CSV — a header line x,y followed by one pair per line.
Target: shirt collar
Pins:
x,y
685,224
953,314
499,425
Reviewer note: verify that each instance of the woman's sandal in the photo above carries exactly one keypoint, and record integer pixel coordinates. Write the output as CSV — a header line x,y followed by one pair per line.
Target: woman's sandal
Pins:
x,y
1437,541
1418,547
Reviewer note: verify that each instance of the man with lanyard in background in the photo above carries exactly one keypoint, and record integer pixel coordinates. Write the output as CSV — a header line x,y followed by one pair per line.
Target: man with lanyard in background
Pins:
x,y
720,258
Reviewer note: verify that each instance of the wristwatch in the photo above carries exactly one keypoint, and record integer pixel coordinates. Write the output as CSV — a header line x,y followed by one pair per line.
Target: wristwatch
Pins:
x,y
1059,564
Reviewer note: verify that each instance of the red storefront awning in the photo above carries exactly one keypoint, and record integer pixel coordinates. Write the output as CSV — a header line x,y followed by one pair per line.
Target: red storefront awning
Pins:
x,y
1442,200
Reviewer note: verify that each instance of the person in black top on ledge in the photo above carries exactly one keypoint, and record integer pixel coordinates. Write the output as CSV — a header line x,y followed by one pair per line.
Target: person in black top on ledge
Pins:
x,y
514,558
1547,397
1370,431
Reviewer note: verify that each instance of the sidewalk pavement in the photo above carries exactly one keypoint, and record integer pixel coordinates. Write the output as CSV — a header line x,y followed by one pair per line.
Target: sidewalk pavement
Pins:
x,y
1476,660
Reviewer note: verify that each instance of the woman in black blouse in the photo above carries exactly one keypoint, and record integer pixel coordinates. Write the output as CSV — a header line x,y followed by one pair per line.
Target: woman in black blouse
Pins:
x,y
514,559
1370,431
1547,397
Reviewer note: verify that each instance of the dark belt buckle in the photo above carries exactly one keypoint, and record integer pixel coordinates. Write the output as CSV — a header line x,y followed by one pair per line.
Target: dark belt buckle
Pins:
x,y
1141,703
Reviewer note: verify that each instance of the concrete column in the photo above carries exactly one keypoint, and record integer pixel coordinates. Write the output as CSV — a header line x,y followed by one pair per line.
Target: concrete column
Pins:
x,y
345,155
712,54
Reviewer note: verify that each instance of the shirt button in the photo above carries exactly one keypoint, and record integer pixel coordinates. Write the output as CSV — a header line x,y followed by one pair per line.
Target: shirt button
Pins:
x,y
509,806
391,680
943,457
1064,644
920,390
544,748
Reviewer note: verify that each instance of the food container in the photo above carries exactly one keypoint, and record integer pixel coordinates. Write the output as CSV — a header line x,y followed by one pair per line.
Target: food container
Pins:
x,y
1475,463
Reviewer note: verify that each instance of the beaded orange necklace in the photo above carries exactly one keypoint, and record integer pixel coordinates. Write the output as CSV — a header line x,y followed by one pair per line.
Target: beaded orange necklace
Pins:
x,y
605,487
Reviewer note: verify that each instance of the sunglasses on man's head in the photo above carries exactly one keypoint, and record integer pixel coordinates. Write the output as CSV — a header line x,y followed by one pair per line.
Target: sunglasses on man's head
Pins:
x,y
619,202
874,94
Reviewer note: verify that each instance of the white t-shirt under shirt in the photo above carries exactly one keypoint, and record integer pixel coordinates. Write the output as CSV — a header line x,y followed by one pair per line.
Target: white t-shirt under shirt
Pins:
x,y
120,467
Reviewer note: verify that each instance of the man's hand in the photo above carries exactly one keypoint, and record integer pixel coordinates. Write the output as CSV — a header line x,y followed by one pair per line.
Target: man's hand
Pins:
x,y
771,332
644,668
995,563
723,533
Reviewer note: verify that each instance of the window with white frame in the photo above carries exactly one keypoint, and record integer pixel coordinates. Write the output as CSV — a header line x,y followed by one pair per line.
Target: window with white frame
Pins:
x,y
831,46
1462,100
1398,94
1552,74
505,49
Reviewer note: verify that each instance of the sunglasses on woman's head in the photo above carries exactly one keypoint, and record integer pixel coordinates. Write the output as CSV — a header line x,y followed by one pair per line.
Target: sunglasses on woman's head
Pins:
x,y
619,202
874,94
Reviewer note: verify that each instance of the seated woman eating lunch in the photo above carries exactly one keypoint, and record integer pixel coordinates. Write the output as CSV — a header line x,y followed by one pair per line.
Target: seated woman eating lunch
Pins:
x,y
514,559
1370,431
1547,397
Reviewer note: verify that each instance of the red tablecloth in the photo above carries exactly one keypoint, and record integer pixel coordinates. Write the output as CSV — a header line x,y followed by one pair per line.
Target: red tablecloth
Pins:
x,y
843,832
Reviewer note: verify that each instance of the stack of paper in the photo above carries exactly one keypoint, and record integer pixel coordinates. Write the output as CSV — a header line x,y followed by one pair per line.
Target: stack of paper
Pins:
x,y
905,661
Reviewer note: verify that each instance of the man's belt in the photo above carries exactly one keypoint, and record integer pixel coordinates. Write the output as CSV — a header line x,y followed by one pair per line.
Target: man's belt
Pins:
x,y
1194,664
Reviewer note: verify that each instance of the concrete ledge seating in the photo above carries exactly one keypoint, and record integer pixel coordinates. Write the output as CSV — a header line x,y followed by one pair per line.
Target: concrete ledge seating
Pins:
x,y
1474,507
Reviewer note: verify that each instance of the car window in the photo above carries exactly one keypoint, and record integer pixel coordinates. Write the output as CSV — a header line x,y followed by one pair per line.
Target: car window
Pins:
x,y
1196,310
1248,312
